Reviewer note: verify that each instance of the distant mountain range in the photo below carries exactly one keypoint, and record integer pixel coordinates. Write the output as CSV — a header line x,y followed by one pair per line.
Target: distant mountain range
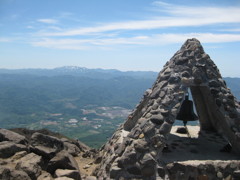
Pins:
x,y
82,71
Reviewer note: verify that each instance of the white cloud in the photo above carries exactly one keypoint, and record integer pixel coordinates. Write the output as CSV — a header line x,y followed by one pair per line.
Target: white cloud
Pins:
x,y
30,27
157,39
3,39
61,43
174,16
231,30
48,21
112,35
203,37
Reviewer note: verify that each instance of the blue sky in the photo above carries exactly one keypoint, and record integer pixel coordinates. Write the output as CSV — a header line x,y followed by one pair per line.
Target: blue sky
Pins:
x,y
116,34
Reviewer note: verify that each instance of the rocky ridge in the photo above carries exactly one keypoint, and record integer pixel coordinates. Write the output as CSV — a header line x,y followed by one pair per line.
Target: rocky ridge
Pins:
x,y
40,155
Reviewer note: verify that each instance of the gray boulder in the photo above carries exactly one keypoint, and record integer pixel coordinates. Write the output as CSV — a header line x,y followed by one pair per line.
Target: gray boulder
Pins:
x,y
74,174
46,146
63,178
31,164
8,149
71,148
81,146
91,178
45,176
43,151
62,160
7,135
12,174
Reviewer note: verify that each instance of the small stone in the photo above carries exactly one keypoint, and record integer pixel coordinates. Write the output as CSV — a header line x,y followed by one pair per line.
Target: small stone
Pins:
x,y
45,176
149,129
141,136
165,128
153,153
233,165
98,160
129,157
181,60
174,111
155,112
165,77
114,171
147,92
214,83
162,84
140,145
162,94
157,119
219,174
157,140
185,74
148,170
134,170
214,91
155,93
141,120
91,178
147,159
236,174
181,130
155,106
161,172
74,174
64,178
86,166
166,101
164,112
148,115
19,155
174,79
134,133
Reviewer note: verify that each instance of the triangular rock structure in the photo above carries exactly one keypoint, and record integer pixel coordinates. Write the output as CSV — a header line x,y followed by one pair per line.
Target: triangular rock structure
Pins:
x,y
135,149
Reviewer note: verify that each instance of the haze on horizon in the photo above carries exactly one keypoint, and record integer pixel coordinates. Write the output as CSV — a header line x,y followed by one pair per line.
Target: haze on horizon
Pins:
x,y
124,35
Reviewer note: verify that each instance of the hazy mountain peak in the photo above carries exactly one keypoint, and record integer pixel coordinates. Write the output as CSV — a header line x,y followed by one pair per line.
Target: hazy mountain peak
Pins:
x,y
71,68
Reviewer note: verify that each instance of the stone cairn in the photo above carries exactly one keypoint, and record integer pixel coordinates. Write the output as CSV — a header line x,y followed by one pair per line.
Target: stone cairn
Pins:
x,y
134,151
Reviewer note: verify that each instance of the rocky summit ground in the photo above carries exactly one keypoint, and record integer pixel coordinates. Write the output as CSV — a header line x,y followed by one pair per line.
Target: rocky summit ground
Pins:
x,y
44,155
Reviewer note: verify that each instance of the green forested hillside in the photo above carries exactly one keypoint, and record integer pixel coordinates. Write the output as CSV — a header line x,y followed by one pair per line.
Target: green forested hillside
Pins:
x,y
97,105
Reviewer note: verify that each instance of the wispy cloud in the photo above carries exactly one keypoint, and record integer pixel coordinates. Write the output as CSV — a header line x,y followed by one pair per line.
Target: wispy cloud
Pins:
x,y
231,30
174,16
4,39
48,21
157,39
203,37
138,32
